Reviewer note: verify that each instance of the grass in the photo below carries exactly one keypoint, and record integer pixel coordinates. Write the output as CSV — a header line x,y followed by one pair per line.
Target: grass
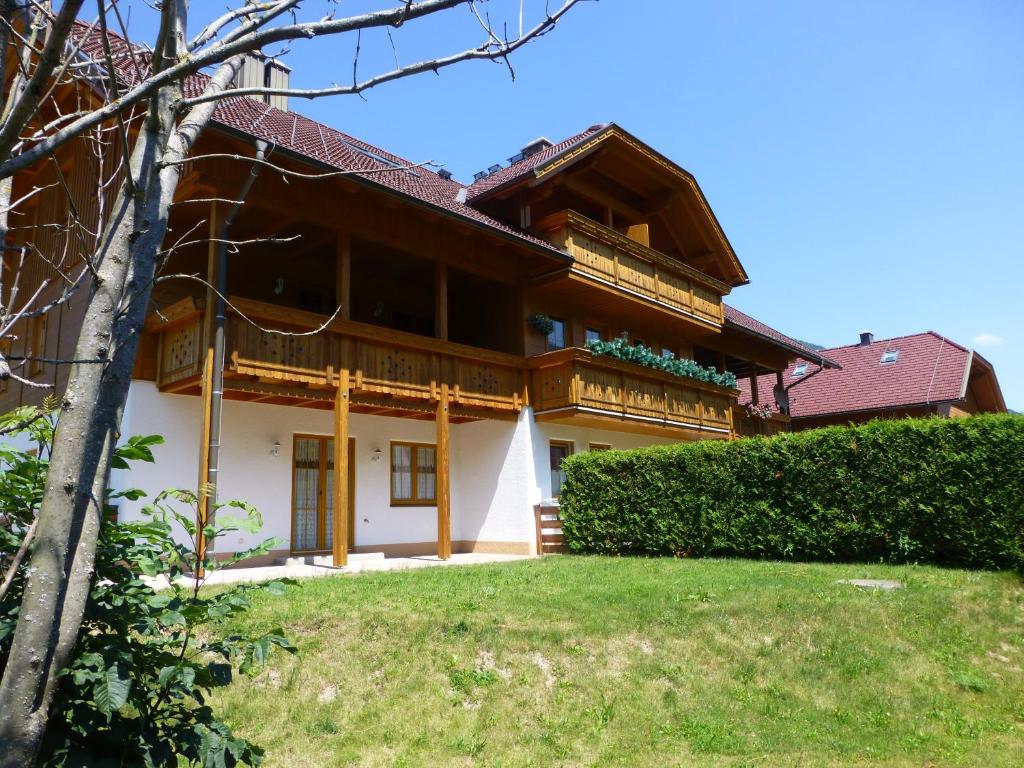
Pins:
x,y
573,661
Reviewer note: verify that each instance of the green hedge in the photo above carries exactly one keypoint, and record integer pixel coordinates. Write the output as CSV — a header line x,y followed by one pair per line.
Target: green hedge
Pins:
x,y
943,491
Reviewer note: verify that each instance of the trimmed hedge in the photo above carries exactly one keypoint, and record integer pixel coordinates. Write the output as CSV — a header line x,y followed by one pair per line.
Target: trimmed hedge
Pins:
x,y
941,491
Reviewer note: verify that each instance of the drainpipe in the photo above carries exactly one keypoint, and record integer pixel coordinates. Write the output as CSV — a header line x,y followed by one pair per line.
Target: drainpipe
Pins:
x,y
220,321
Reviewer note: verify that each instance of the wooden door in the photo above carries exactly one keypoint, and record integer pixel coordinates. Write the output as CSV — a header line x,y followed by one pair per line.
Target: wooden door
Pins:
x,y
313,494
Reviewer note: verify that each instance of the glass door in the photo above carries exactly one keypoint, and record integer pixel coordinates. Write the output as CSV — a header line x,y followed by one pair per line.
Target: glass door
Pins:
x,y
312,493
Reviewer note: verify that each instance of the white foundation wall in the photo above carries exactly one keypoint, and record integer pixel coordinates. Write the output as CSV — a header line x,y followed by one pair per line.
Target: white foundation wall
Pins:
x,y
493,482
581,438
499,469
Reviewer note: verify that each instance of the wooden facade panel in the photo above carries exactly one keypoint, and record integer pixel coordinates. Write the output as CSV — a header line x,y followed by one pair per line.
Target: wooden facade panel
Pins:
x,y
683,404
395,371
484,384
181,354
637,275
715,409
599,388
644,397
674,289
593,256
707,304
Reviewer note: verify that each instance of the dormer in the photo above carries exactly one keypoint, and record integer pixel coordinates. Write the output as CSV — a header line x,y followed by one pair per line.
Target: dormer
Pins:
x,y
620,183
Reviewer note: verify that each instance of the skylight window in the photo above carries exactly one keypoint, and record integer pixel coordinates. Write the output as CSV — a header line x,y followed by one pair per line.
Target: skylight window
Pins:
x,y
377,157
890,356
800,370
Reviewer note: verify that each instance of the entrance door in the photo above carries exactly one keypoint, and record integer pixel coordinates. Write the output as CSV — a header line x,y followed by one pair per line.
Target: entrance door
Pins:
x,y
313,494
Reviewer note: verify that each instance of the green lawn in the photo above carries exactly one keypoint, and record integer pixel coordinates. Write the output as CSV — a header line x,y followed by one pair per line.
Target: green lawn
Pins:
x,y
572,661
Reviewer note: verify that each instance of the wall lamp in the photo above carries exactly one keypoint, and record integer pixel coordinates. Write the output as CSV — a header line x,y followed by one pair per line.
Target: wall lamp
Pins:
x,y
275,448
377,456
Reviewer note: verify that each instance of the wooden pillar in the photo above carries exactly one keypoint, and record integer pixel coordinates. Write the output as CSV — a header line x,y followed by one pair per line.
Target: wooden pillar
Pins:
x,y
780,386
754,394
443,491
340,537
441,301
343,274
206,385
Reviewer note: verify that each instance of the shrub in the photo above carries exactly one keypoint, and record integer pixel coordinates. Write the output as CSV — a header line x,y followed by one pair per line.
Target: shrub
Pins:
x,y
942,491
135,690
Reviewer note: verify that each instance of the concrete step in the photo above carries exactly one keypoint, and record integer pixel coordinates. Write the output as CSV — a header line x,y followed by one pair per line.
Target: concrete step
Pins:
x,y
327,560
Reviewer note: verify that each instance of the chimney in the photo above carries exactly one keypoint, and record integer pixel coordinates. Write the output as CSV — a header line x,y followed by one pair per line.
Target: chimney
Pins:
x,y
257,71
444,173
535,146
866,337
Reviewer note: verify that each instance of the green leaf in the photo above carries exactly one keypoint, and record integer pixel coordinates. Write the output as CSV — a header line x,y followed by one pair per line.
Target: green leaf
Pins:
x,y
111,691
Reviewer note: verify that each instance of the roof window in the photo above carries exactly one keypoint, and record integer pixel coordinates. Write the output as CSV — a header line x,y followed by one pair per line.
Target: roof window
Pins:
x,y
800,370
890,356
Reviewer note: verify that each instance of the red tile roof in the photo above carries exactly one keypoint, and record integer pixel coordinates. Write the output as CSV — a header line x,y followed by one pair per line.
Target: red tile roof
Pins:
x,y
315,141
929,369
524,167
745,323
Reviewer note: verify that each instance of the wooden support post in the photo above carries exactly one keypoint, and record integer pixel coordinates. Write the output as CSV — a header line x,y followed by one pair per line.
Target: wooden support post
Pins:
x,y
443,490
780,389
343,273
340,534
754,395
206,384
441,301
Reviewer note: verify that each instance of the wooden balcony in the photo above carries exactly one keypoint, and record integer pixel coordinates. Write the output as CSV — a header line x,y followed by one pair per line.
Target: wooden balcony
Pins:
x,y
601,254
390,371
577,387
749,426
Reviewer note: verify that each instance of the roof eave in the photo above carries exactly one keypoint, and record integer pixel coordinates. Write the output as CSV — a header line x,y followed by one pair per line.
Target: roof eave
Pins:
x,y
549,251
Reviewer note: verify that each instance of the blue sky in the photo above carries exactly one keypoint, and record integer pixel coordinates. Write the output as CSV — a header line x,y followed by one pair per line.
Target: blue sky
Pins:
x,y
865,159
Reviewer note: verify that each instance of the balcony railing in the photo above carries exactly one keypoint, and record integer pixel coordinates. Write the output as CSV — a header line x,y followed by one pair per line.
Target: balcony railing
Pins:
x,y
751,426
382,362
573,383
603,254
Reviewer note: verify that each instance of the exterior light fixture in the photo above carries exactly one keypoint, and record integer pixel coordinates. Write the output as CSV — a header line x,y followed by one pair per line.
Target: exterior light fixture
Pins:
x,y
377,456
275,448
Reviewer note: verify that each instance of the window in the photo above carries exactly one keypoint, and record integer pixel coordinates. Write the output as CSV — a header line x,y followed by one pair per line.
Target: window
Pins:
x,y
667,353
559,452
637,342
600,447
800,370
556,339
413,474
890,356
591,334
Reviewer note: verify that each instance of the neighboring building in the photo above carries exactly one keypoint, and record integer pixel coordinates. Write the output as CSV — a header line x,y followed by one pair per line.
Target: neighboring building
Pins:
x,y
920,375
431,409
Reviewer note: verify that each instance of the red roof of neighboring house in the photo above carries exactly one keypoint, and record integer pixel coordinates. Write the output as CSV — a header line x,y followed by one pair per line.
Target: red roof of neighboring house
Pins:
x,y
929,368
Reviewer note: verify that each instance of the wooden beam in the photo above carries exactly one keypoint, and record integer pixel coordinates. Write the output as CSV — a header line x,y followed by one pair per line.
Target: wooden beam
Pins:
x,y
441,300
443,491
754,397
343,288
339,538
203,507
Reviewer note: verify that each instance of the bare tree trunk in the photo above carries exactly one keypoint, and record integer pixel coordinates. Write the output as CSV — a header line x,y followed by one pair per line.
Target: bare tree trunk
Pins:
x,y
62,560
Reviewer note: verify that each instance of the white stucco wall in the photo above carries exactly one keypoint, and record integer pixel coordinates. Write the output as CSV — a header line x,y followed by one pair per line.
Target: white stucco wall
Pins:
x,y
493,482
500,469
581,438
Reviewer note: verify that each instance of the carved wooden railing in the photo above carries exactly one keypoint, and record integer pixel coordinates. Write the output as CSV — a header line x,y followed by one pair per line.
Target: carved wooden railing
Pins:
x,y
751,426
381,361
607,255
576,379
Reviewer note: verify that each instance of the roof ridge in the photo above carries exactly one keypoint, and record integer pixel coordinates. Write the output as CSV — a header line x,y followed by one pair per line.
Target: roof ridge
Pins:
x,y
876,342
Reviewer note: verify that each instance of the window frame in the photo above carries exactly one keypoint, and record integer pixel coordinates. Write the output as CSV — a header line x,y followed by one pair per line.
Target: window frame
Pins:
x,y
599,447
36,347
571,446
589,329
557,321
414,500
